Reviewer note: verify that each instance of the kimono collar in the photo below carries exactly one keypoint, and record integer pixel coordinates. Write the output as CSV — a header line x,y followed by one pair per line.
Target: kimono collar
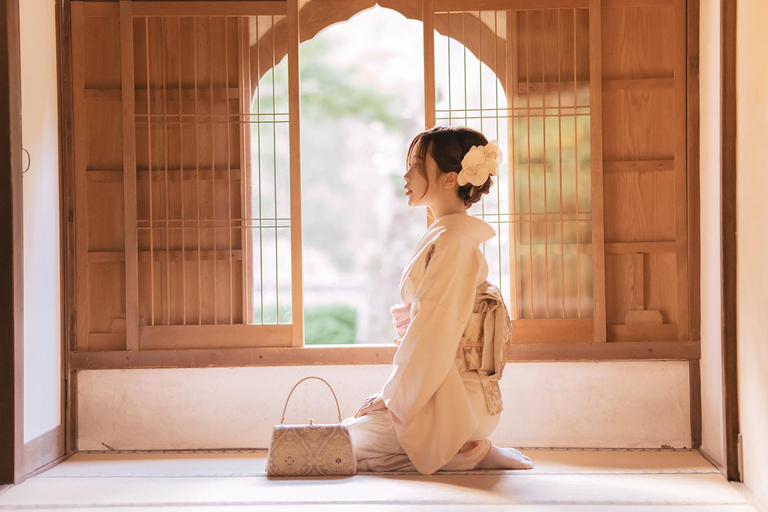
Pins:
x,y
475,227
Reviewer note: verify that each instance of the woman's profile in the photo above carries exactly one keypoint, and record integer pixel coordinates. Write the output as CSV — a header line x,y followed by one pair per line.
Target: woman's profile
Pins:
x,y
442,400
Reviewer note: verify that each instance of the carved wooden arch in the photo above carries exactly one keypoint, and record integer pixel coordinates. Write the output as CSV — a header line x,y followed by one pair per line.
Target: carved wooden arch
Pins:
x,y
316,16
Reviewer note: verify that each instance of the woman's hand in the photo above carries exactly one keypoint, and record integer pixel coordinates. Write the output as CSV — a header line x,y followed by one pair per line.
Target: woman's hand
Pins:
x,y
372,403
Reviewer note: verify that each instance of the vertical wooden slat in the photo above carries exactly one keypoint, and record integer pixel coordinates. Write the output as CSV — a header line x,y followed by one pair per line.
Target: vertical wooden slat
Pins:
x,y
638,286
512,79
258,167
428,18
81,183
560,164
214,246
197,177
576,167
528,156
129,177
596,130
229,168
182,182
297,302
149,174
544,157
245,166
464,55
499,208
167,199
681,185
428,23
274,179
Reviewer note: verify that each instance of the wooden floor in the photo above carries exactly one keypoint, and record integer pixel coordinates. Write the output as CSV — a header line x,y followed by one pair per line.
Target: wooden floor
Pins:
x,y
563,480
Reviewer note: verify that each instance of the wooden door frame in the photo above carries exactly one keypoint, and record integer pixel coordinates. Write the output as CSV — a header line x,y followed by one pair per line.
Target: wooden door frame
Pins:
x,y
728,176
19,461
11,255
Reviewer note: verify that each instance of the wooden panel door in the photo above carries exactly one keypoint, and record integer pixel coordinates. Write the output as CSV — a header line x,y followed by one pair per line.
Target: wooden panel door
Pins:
x,y
644,148
168,206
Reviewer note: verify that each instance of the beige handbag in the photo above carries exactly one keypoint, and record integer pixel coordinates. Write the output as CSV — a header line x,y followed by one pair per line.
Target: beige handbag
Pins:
x,y
311,450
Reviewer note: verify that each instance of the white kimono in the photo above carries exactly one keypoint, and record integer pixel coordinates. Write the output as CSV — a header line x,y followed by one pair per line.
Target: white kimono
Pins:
x,y
431,405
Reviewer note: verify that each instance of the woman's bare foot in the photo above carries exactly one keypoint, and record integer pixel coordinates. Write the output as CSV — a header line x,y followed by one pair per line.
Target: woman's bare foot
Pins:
x,y
505,458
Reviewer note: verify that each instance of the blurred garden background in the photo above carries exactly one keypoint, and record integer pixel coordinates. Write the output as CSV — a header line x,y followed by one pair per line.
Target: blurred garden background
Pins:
x,y
362,102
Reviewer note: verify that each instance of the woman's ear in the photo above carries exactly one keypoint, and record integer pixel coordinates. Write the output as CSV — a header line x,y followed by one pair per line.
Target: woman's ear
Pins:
x,y
451,179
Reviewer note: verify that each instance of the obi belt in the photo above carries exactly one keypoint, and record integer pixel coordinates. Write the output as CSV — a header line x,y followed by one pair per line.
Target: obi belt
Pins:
x,y
481,347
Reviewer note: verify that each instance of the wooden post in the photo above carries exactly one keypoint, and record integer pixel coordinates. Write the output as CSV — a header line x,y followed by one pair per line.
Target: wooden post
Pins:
x,y
428,22
512,79
129,178
596,130
681,175
297,302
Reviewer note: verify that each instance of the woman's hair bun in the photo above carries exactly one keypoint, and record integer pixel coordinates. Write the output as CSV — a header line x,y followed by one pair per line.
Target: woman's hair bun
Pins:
x,y
449,145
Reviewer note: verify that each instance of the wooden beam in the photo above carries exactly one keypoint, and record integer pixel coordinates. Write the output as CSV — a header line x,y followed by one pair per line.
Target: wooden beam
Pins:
x,y
502,5
220,8
559,330
642,350
172,337
636,3
636,333
370,354
187,93
99,176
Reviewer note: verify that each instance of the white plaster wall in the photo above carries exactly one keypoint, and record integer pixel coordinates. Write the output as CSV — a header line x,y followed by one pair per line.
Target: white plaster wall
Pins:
x,y
42,312
751,214
712,440
609,404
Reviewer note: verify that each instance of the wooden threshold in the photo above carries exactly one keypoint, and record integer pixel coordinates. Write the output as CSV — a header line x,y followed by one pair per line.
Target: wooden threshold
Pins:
x,y
371,354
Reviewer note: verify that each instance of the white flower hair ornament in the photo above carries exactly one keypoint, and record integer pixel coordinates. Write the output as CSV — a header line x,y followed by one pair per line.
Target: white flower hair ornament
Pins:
x,y
479,163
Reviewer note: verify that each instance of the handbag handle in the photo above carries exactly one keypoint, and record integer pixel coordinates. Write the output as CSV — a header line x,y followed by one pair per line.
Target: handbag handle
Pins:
x,y
294,387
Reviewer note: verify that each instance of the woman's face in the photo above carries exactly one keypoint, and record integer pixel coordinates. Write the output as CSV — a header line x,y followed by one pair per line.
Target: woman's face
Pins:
x,y
415,184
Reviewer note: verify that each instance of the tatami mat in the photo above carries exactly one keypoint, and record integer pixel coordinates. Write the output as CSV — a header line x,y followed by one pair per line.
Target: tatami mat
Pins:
x,y
254,464
571,481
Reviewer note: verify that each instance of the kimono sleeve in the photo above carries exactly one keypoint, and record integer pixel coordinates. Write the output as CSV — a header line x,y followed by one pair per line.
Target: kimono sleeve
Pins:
x,y
441,306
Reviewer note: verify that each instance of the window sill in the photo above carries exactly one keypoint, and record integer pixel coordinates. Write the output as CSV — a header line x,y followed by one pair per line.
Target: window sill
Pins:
x,y
370,354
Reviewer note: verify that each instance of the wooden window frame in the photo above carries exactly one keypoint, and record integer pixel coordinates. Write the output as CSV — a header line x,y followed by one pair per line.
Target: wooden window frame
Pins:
x,y
682,345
